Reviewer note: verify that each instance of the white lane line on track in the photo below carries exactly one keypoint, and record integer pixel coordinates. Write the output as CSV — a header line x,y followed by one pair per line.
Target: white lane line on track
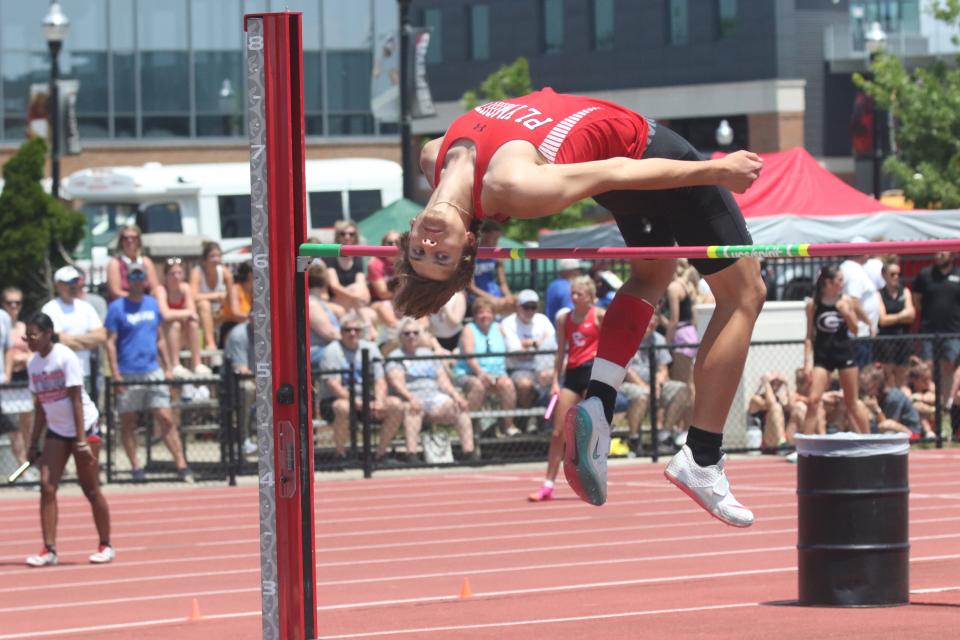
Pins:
x,y
122,625
445,598
934,590
439,574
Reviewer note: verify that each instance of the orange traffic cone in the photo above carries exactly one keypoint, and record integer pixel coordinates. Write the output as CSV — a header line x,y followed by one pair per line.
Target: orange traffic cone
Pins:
x,y
465,590
194,611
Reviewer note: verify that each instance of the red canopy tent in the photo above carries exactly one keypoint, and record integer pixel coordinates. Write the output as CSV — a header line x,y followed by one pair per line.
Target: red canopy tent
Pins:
x,y
793,181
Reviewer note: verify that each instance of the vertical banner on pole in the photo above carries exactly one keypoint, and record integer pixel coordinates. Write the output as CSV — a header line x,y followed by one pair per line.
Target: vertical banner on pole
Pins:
x,y
284,425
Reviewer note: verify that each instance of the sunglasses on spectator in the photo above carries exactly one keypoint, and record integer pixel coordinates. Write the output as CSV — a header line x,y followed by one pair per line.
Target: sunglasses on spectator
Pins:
x,y
348,234
138,275
13,303
530,306
351,329
126,237
72,281
411,333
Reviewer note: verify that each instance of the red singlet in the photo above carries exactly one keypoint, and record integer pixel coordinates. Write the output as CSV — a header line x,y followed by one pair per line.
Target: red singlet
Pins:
x,y
565,129
583,338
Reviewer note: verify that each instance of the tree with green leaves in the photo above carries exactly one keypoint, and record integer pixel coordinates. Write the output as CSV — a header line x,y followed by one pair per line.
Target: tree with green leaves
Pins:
x,y
37,232
925,104
510,81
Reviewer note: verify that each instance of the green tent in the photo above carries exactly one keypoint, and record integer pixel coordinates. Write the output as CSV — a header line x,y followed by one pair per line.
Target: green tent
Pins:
x,y
393,217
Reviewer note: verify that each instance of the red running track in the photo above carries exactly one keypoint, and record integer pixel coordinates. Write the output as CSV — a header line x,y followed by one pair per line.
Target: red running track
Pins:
x,y
393,553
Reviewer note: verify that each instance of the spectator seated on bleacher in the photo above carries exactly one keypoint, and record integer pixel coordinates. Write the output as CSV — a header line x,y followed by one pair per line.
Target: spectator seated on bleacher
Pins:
x,y
770,409
481,376
427,390
212,285
335,395
238,350
324,323
674,398
181,321
528,330
921,391
890,408
489,276
379,274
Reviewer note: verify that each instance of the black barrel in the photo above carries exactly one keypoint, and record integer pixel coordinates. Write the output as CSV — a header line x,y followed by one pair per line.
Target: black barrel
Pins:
x,y
853,546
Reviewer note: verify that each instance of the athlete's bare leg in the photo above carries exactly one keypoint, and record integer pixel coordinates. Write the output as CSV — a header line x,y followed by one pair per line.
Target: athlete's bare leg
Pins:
x,y
740,293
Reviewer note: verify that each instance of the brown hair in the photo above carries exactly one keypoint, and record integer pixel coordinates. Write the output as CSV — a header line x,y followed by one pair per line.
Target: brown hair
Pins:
x,y
209,247
317,275
417,296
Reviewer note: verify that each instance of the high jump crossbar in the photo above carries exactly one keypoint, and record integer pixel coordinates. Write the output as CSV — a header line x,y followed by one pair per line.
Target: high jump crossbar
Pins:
x,y
806,250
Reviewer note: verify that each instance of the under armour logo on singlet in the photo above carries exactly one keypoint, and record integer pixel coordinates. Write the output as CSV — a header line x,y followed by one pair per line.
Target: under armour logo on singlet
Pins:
x,y
479,127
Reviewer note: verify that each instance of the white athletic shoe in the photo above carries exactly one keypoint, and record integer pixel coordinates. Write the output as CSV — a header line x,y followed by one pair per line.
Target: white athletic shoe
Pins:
x,y
103,555
180,372
587,436
791,457
202,371
708,486
43,559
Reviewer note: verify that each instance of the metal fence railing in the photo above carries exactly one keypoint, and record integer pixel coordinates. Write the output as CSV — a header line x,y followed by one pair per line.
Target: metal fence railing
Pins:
x,y
214,417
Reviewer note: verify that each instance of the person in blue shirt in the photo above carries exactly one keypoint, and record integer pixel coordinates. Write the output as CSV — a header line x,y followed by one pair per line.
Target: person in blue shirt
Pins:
x,y
136,348
480,376
558,291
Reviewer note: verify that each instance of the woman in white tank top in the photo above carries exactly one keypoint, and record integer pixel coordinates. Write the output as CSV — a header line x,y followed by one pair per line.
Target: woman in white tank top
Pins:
x,y
212,283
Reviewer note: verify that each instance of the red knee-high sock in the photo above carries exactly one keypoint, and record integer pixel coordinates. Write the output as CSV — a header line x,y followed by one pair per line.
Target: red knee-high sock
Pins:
x,y
624,325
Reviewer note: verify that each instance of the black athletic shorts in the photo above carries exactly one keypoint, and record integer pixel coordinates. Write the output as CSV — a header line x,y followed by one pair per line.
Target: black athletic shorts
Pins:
x,y
690,216
578,378
834,361
92,434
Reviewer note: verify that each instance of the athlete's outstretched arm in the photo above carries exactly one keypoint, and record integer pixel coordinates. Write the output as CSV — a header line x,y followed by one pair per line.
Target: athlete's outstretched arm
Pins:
x,y
527,190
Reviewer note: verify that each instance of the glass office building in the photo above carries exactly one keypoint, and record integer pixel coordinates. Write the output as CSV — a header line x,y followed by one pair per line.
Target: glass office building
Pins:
x,y
173,69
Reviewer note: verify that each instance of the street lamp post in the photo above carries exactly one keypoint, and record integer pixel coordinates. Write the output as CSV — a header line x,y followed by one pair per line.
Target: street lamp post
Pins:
x,y
55,28
406,152
875,40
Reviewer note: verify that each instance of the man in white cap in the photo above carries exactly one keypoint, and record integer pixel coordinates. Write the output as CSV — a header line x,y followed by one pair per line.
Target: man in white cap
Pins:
x,y
527,330
76,321
558,291
858,285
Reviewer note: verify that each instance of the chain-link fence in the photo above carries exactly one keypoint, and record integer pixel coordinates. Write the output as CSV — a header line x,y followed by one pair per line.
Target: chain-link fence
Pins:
x,y
211,420
155,429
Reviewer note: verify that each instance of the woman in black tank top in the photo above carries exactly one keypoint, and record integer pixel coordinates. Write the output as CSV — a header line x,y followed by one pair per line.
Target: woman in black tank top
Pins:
x,y
831,320
896,316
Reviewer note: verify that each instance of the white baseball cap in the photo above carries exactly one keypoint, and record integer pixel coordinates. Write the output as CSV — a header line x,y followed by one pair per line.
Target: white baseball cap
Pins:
x,y
527,296
66,274
568,264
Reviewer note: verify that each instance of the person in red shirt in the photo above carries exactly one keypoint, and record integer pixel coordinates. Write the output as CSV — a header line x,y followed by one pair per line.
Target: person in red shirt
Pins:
x,y
578,336
532,156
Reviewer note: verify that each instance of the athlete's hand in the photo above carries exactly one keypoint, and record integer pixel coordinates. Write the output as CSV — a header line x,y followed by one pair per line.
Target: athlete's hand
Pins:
x,y
739,170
